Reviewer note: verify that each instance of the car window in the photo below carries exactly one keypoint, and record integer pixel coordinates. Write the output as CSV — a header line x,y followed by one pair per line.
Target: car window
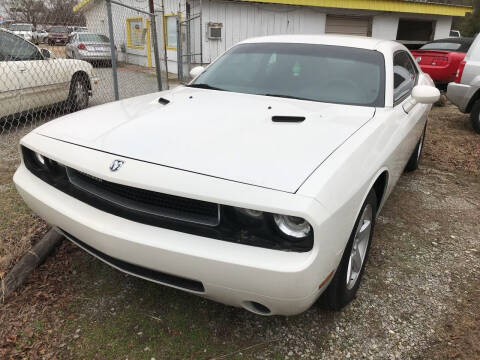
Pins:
x,y
93,38
14,48
404,76
441,46
21,27
333,74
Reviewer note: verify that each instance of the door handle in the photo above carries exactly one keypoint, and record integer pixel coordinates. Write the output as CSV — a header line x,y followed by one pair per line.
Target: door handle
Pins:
x,y
22,70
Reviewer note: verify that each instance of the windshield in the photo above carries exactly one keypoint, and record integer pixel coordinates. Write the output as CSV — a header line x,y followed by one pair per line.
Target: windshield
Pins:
x,y
21,27
332,74
58,29
441,46
93,38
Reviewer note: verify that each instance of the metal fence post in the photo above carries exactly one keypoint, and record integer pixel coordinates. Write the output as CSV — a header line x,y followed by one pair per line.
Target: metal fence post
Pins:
x,y
112,49
155,52
179,48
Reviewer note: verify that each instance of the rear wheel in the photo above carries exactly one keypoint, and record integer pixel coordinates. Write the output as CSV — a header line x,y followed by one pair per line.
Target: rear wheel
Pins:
x,y
346,281
475,116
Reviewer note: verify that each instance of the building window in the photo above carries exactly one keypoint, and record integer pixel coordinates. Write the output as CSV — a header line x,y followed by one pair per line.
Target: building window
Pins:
x,y
171,31
135,33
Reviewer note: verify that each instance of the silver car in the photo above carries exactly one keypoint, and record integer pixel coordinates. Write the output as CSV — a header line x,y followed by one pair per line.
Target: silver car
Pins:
x,y
89,47
39,36
465,91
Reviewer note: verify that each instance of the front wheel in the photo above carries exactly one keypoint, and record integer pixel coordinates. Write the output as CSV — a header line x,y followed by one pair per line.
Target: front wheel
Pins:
x,y
78,96
346,281
475,116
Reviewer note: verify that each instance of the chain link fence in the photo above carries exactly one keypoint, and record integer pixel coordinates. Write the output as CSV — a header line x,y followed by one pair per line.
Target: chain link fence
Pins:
x,y
110,50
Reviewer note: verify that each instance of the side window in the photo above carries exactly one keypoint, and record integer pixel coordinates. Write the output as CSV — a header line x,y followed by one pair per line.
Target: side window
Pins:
x,y
14,48
404,76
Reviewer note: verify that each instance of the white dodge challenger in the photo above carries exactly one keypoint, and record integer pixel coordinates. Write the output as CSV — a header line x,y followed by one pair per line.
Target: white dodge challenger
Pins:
x,y
256,185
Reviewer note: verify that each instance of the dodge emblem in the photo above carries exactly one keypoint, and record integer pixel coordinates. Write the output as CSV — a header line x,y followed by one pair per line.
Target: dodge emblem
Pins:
x,y
116,164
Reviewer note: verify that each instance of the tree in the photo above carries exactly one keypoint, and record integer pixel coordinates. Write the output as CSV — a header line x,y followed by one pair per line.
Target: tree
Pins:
x,y
45,12
471,24
29,11
61,12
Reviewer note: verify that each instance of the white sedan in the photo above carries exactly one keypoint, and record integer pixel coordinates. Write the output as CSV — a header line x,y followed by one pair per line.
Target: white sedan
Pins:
x,y
31,79
256,185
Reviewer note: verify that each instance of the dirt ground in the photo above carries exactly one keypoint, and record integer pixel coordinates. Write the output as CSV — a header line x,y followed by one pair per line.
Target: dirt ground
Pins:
x,y
420,297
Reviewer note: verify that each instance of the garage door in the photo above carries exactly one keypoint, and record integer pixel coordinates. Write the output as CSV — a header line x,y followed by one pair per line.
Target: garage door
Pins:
x,y
348,25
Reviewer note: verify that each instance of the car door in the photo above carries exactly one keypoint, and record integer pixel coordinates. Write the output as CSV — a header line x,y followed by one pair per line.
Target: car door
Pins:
x,y
409,123
44,81
10,68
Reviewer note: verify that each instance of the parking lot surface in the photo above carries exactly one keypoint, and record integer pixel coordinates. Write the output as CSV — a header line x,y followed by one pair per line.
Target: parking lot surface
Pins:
x,y
420,297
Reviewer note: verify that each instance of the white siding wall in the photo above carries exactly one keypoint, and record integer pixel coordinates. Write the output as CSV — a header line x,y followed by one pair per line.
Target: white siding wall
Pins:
x,y
244,20
385,27
443,27
241,21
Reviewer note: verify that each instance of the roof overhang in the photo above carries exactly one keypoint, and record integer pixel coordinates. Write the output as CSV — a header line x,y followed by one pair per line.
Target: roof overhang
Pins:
x,y
414,7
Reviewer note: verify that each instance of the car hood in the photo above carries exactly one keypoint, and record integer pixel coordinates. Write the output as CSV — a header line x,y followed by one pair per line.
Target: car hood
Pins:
x,y
222,134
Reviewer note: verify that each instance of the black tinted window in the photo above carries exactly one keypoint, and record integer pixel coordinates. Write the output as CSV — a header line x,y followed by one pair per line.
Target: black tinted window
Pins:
x,y
14,48
404,76
441,46
93,38
333,74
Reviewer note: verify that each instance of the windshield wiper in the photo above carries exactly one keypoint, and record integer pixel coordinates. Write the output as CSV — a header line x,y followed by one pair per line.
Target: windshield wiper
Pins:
x,y
205,86
287,96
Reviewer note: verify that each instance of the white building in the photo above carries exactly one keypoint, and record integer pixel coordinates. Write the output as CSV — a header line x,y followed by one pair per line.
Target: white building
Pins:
x,y
219,24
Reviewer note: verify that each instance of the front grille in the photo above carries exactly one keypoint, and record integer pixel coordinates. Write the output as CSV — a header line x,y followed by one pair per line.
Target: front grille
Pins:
x,y
148,202
149,274
195,217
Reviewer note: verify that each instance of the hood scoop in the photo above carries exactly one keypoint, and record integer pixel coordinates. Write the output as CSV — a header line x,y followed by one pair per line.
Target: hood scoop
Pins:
x,y
288,119
163,101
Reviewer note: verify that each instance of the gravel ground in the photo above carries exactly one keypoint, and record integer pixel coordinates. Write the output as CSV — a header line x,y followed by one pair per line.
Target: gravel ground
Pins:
x,y
419,298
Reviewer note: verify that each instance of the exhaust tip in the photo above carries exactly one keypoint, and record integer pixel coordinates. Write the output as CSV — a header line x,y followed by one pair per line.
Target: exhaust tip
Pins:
x,y
256,308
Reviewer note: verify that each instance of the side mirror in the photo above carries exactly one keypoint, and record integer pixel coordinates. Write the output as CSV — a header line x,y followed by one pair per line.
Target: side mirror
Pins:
x,y
425,94
422,94
46,53
197,70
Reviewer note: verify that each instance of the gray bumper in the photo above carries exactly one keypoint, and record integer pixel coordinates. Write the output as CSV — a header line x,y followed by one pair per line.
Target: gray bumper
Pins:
x,y
459,94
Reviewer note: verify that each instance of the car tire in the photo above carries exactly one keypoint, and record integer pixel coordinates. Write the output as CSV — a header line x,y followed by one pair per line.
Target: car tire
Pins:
x,y
475,116
414,160
344,285
78,96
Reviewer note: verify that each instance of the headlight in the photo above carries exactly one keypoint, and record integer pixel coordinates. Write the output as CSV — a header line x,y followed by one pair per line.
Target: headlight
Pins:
x,y
287,228
292,226
39,158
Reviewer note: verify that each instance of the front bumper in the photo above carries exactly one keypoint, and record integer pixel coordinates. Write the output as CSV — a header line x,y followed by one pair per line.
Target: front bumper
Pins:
x,y
459,95
286,283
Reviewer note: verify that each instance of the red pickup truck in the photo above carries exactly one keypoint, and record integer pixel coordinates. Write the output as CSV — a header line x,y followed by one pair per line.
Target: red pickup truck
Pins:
x,y
441,58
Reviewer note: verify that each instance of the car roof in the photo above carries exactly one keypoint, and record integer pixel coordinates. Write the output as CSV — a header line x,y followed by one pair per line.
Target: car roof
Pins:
x,y
459,40
465,43
361,42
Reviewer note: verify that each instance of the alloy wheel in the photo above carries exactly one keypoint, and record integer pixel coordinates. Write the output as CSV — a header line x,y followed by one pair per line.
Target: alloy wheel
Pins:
x,y
359,246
